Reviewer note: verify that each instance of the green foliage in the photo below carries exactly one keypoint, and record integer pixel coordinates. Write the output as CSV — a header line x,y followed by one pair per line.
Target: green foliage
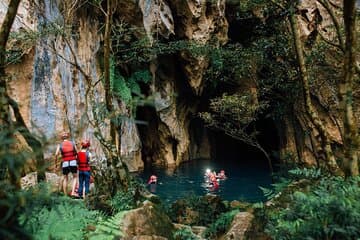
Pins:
x,y
251,4
127,88
277,187
118,84
292,175
307,173
19,44
107,229
240,109
329,210
185,234
122,201
221,225
233,115
230,64
63,219
142,76
13,199
126,200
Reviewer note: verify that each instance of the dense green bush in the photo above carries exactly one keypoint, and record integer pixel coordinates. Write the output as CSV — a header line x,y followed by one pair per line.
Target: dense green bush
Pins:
x,y
185,234
126,200
62,218
107,228
221,225
330,209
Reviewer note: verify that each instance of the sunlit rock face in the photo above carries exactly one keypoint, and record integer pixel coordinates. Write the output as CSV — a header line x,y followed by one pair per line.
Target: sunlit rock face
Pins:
x,y
52,91
201,22
50,84
146,221
157,18
198,21
315,22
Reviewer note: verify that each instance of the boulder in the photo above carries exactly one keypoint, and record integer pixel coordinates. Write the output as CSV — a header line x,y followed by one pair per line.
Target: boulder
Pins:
x,y
146,222
240,224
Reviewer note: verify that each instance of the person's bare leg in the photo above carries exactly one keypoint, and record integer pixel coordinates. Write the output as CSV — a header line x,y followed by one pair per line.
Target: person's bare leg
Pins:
x,y
60,186
64,184
75,180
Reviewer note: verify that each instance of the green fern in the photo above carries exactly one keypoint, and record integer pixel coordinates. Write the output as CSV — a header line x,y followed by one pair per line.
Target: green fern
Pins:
x,y
221,225
108,229
329,209
277,187
185,234
66,220
308,173
118,84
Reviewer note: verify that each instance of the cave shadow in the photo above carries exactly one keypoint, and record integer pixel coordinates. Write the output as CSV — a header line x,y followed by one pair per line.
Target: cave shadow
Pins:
x,y
232,153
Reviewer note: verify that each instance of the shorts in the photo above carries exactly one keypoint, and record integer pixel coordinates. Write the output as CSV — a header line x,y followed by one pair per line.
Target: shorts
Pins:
x,y
69,166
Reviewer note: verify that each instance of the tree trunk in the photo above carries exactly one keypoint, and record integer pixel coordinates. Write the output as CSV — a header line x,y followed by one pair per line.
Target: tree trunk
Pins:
x,y
325,141
351,138
8,209
107,80
4,35
120,172
107,42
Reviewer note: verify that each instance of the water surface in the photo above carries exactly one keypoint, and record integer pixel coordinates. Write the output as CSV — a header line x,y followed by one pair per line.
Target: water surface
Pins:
x,y
242,183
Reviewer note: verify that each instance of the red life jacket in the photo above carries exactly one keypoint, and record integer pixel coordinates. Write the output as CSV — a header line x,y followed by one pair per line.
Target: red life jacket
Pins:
x,y
68,151
83,161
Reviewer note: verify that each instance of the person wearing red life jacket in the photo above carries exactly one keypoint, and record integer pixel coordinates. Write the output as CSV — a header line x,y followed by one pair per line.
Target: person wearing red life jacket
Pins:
x,y
213,181
84,157
221,175
68,152
152,179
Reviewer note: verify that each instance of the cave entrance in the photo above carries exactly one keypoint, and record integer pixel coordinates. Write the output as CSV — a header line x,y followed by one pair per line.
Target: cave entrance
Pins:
x,y
232,152
246,167
148,125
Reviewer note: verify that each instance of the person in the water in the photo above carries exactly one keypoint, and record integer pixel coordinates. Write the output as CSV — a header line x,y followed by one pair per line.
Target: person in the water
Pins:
x,y
221,175
213,183
207,173
152,179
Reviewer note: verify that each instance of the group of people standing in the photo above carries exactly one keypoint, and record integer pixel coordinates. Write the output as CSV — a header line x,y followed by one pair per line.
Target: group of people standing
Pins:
x,y
75,162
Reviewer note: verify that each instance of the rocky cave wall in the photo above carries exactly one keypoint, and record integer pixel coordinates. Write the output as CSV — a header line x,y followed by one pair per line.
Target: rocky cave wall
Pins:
x,y
51,91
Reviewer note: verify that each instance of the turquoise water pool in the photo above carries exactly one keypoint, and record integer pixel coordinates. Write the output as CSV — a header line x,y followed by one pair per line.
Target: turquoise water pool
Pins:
x,y
242,183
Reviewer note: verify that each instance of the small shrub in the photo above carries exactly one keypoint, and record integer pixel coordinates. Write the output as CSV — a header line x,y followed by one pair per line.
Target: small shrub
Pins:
x,y
221,225
185,234
126,200
65,220
330,209
107,229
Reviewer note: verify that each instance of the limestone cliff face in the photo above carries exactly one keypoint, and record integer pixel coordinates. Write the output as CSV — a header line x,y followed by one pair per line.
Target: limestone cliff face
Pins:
x,y
314,21
192,20
52,91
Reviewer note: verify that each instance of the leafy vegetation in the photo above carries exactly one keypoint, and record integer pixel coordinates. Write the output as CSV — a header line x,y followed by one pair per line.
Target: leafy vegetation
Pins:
x,y
63,219
13,199
185,234
328,210
107,228
126,200
221,225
